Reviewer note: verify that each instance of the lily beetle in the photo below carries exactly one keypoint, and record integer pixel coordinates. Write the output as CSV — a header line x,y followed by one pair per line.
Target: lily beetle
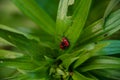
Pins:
x,y
64,43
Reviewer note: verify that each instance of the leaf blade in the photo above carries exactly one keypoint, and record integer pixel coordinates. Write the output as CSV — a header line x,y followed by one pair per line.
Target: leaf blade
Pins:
x,y
37,14
110,6
89,51
108,73
18,64
20,40
78,76
95,32
102,62
5,54
112,48
79,19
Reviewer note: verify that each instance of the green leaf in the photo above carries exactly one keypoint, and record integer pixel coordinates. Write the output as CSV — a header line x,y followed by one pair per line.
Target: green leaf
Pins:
x,y
112,48
77,76
110,7
101,62
43,70
44,38
49,6
95,32
68,59
91,76
4,54
89,51
37,14
7,72
90,31
20,77
108,73
4,42
62,15
97,11
26,76
32,72
63,21
19,63
79,18
27,44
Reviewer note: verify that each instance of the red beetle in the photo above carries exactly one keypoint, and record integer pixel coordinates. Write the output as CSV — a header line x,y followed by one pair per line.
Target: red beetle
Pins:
x,y
65,43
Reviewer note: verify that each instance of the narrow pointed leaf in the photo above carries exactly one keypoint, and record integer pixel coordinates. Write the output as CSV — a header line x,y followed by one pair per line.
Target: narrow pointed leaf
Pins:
x,y
108,73
4,42
43,70
37,14
97,11
95,32
102,62
77,76
50,7
112,48
19,63
91,76
68,59
110,7
28,45
90,51
4,54
79,18
63,21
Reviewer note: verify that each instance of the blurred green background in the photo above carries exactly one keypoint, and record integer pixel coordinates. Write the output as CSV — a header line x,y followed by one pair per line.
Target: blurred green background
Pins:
x,y
11,16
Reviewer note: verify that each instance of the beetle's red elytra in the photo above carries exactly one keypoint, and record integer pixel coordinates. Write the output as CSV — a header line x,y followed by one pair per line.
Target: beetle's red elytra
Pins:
x,y
64,43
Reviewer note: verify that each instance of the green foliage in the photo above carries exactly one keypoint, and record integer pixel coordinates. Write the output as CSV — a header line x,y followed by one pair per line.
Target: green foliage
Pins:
x,y
95,32
88,57
87,53
49,6
20,40
111,5
108,74
112,48
4,54
79,18
78,76
101,62
29,8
